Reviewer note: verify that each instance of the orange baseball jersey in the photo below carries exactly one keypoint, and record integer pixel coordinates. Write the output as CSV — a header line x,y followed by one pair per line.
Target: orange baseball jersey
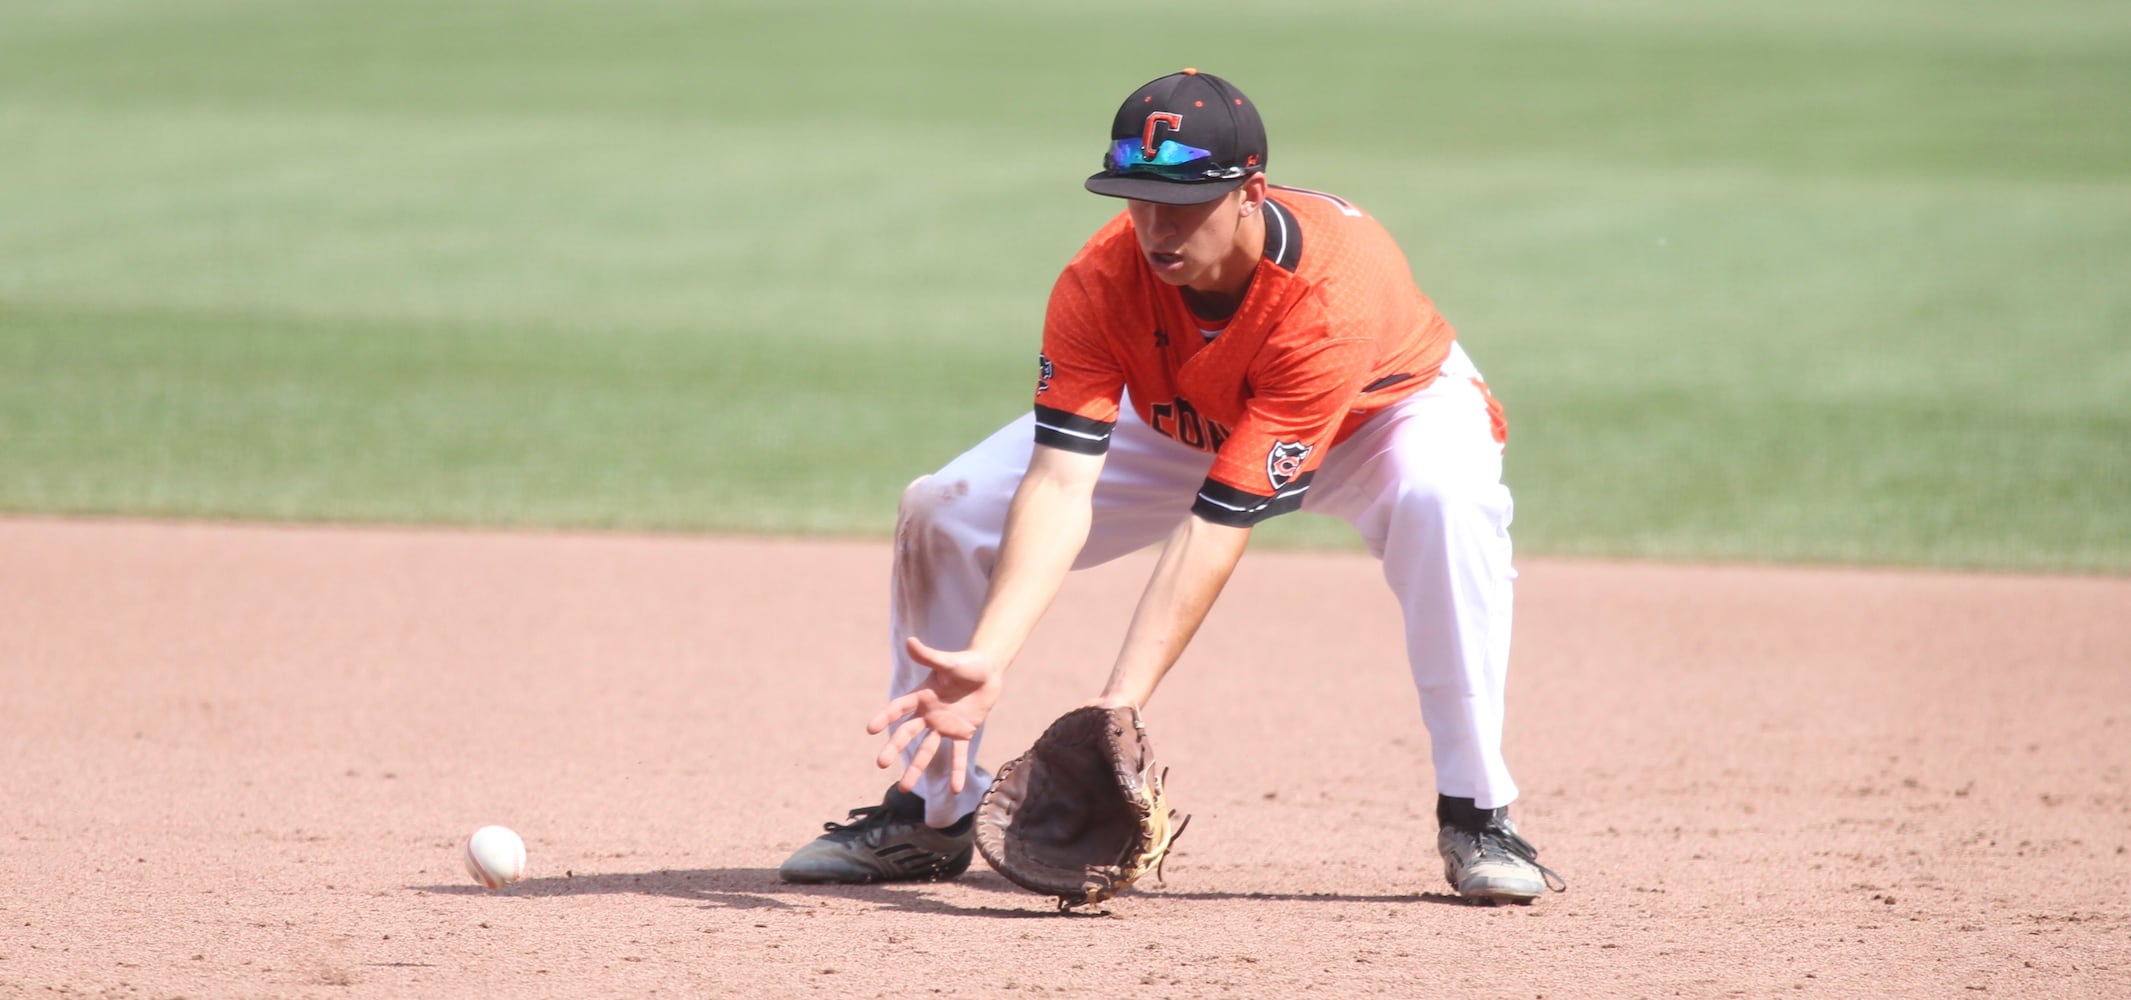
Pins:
x,y
1331,330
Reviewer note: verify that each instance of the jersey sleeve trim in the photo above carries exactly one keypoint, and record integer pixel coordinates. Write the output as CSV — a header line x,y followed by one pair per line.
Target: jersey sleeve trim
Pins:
x,y
1224,504
1068,431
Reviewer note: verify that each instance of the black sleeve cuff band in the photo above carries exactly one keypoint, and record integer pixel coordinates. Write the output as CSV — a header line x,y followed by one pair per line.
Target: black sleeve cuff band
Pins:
x,y
1224,504
1072,432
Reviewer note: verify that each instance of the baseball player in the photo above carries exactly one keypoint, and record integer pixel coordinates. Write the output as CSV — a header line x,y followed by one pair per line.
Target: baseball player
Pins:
x,y
1221,352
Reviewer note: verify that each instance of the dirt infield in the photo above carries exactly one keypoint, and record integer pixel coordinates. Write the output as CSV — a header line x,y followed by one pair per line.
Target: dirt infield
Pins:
x,y
239,762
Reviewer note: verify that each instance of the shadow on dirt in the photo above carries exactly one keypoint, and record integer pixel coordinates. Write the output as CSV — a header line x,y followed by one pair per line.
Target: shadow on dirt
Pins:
x,y
760,889
1438,898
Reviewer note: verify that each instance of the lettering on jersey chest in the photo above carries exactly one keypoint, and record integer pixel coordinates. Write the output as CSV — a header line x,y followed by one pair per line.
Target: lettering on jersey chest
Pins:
x,y
1178,419
1180,374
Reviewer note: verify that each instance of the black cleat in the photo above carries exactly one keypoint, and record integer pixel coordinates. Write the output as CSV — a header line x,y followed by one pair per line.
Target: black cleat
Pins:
x,y
885,843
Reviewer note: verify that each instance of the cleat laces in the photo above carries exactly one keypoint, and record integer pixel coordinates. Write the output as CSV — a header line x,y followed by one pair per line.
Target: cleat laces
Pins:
x,y
1499,841
871,823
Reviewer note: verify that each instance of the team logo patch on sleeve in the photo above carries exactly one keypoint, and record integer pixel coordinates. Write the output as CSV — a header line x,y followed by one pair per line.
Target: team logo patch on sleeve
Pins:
x,y
1045,371
1284,462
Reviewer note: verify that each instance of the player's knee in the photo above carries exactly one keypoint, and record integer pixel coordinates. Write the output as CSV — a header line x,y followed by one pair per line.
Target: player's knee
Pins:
x,y
912,507
930,499
910,494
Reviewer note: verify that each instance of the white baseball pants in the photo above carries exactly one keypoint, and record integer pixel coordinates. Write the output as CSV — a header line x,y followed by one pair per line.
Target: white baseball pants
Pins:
x,y
1421,482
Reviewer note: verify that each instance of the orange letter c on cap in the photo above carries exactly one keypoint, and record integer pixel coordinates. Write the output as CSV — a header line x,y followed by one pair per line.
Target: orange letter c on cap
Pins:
x,y
1173,120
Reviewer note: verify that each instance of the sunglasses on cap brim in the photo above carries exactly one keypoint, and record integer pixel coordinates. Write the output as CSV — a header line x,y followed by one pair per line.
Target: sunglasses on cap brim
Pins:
x,y
1171,161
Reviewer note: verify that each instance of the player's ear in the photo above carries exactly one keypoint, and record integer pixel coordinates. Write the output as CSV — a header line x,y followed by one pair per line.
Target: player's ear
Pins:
x,y
1253,191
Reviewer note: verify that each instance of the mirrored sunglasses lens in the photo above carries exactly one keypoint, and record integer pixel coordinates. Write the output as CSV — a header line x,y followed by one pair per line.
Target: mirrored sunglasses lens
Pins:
x,y
1127,156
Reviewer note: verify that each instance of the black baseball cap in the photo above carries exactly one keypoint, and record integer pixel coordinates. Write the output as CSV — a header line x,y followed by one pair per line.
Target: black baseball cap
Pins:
x,y
1184,139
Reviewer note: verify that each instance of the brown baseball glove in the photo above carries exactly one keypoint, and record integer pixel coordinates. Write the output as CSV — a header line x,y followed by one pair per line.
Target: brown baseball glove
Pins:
x,y
1081,815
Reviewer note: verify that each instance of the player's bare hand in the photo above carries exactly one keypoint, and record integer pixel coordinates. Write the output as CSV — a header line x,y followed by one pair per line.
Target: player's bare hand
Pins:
x,y
948,707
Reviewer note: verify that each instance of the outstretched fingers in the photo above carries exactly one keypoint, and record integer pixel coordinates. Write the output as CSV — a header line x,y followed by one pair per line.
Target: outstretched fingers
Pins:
x,y
896,709
900,740
919,761
949,706
959,756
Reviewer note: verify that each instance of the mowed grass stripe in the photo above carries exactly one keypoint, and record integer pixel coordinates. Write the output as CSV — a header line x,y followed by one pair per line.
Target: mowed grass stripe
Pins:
x,y
1903,88
231,416
335,215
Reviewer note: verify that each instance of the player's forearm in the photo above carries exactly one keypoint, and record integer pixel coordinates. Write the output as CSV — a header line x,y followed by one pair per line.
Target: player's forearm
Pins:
x,y
1045,527
1195,565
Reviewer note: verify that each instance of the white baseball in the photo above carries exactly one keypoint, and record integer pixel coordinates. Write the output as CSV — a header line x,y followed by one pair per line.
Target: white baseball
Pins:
x,y
495,857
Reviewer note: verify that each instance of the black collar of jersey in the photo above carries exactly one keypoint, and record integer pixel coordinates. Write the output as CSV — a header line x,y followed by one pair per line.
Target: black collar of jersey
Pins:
x,y
1283,236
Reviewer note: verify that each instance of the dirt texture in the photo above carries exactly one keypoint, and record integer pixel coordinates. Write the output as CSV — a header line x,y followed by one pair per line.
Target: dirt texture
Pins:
x,y
241,762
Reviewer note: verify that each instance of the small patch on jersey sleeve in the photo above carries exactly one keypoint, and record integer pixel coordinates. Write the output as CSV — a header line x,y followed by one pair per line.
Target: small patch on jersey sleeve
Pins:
x,y
1284,461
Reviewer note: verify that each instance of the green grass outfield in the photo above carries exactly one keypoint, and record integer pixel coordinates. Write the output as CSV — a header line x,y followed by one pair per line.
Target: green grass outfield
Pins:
x,y
1826,281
